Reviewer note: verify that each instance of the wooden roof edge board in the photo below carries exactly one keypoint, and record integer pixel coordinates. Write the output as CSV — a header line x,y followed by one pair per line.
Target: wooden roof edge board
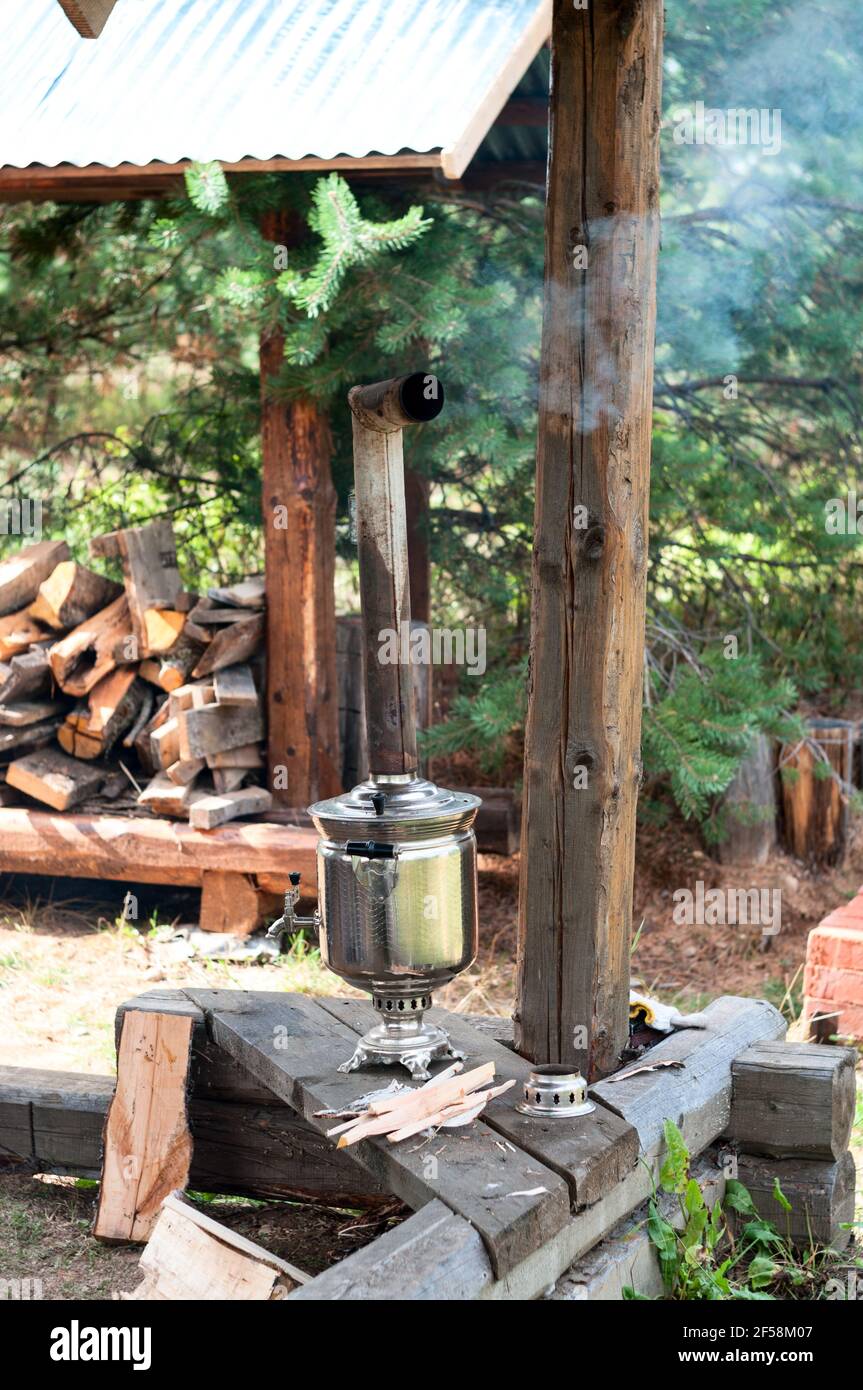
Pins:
x,y
13,174
455,158
89,17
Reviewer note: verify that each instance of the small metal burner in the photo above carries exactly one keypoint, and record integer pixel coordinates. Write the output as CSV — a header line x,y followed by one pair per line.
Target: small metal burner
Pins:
x,y
555,1091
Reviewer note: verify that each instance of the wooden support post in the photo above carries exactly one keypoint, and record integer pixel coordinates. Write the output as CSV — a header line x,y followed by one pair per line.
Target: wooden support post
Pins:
x,y
582,758
299,511
419,565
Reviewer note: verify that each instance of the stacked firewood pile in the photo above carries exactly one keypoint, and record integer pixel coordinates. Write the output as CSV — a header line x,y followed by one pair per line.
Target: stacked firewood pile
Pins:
x,y
138,693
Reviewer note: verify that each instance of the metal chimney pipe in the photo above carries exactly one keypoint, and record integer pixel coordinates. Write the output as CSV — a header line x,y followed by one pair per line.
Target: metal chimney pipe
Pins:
x,y
380,412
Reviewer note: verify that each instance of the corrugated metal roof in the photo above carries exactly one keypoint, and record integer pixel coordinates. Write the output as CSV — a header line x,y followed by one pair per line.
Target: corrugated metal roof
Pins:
x,y
172,80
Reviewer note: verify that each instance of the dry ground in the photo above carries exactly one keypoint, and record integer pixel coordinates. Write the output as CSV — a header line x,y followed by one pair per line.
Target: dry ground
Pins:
x,y
66,962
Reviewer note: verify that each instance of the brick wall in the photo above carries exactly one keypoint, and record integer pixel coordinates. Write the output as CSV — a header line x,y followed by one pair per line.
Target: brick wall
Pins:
x,y
833,980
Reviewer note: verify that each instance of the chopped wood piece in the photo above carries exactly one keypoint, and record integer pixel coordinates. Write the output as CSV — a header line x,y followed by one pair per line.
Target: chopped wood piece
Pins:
x,y
17,631
29,712
148,1145
112,706
164,797
249,593
235,685
249,756
14,742
217,617
50,776
191,1257
234,644
793,1100
165,742
230,902
142,718
72,593
211,811
90,652
228,779
172,670
217,728
182,773
29,673
149,558
196,633
21,575
162,629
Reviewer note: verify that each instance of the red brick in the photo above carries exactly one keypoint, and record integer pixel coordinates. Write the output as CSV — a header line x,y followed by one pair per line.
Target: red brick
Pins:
x,y
851,912
849,1023
839,947
842,986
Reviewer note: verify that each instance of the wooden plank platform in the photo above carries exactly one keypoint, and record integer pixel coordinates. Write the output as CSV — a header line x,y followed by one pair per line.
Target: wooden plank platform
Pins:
x,y
293,1046
592,1155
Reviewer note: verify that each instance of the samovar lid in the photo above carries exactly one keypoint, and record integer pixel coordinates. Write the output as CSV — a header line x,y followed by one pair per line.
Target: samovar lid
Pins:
x,y
396,807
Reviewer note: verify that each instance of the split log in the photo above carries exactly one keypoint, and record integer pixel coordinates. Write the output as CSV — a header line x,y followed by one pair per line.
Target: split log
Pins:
x,y
182,772
55,779
749,808
191,1257
235,685
211,811
112,706
821,1197
206,614
219,728
21,575
249,593
249,756
72,593
17,631
164,797
232,645
228,779
172,669
162,630
793,1100
90,652
27,712
27,674
148,1144
165,742
148,555
815,810
14,742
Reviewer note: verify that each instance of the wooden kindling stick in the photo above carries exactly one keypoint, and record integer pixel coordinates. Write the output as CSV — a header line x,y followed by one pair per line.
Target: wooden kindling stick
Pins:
x,y
380,412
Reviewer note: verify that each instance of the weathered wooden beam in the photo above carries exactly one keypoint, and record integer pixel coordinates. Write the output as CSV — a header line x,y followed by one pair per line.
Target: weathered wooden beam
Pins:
x,y
88,16
146,849
292,1046
821,1197
582,753
697,1094
592,1155
53,1122
299,512
793,1100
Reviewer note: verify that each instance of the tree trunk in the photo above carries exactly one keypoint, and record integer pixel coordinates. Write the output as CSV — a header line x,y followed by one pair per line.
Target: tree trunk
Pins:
x,y
582,755
299,511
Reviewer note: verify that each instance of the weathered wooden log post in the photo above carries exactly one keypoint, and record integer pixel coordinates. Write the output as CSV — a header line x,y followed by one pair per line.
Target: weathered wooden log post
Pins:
x,y
299,513
582,759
